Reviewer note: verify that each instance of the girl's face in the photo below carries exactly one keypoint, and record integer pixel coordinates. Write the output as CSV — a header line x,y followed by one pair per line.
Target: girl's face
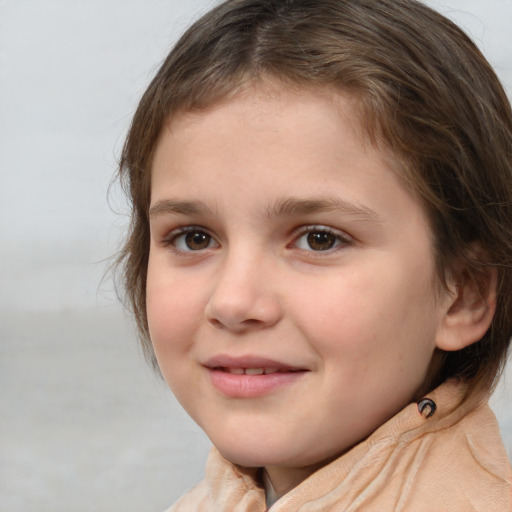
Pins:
x,y
290,288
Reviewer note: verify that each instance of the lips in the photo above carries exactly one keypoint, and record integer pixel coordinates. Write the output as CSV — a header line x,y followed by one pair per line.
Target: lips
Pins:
x,y
250,371
249,365
249,377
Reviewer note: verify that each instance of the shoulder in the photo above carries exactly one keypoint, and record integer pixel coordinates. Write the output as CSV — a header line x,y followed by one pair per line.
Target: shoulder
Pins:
x,y
195,500
227,487
460,461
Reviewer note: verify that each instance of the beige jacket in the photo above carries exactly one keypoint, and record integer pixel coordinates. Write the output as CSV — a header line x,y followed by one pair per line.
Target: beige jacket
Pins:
x,y
453,461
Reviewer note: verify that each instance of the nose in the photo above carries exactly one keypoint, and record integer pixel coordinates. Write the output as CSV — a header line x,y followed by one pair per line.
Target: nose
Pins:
x,y
244,297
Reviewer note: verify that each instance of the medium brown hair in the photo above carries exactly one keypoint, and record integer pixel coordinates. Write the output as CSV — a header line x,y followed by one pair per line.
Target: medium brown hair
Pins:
x,y
425,93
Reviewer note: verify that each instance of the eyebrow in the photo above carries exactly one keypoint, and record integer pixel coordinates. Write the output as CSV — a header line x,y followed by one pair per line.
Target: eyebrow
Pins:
x,y
298,206
287,206
174,206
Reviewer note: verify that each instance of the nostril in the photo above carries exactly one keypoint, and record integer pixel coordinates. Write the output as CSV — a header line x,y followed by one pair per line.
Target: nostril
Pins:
x,y
216,323
238,326
251,321
241,313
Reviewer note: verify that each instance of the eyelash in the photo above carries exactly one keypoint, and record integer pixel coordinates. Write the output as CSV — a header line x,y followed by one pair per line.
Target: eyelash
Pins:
x,y
176,234
340,239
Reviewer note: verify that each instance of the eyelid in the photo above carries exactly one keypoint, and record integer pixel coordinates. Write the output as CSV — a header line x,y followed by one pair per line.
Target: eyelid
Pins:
x,y
172,236
344,239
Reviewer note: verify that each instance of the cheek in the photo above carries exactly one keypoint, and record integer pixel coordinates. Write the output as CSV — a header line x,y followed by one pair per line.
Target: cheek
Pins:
x,y
368,315
172,321
337,306
174,309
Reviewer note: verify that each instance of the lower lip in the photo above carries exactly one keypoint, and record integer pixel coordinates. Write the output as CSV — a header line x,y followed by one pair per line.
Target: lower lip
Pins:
x,y
251,386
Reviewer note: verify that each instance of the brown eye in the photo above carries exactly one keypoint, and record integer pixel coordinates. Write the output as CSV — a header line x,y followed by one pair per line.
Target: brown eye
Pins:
x,y
197,240
321,240
194,240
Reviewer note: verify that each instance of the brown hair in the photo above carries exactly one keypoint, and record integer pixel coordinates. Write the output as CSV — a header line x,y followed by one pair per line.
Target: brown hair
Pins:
x,y
425,93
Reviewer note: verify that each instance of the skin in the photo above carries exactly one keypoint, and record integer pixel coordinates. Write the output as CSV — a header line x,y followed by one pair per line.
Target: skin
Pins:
x,y
361,318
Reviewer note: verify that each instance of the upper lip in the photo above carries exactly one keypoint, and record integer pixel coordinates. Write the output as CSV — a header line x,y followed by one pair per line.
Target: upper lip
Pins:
x,y
229,362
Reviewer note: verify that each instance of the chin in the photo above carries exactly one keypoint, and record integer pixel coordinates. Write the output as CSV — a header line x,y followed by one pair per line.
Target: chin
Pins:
x,y
250,454
263,453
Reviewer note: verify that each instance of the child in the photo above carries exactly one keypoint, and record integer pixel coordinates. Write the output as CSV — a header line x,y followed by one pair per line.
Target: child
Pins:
x,y
319,258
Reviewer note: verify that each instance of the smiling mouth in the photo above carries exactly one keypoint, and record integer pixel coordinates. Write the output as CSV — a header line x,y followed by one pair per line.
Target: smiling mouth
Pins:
x,y
246,378
253,371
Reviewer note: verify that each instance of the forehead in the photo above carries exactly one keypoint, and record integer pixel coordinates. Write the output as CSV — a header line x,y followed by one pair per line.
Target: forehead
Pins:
x,y
264,149
275,116
266,94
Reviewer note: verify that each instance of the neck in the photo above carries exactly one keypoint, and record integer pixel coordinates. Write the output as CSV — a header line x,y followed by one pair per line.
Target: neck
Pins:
x,y
280,480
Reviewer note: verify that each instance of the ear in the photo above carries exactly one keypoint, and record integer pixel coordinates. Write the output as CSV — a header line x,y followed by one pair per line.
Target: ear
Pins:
x,y
468,310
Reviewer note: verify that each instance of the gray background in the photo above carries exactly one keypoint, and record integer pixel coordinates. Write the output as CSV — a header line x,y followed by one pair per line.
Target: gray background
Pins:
x,y
84,424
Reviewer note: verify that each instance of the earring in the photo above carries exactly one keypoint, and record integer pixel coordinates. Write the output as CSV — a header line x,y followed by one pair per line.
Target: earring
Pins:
x,y
427,407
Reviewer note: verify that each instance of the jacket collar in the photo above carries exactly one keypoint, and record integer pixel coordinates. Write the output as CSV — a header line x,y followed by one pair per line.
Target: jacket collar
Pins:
x,y
392,468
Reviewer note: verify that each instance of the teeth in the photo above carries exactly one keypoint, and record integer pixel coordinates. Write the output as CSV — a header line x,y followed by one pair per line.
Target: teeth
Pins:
x,y
251,371
236,371
254,371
